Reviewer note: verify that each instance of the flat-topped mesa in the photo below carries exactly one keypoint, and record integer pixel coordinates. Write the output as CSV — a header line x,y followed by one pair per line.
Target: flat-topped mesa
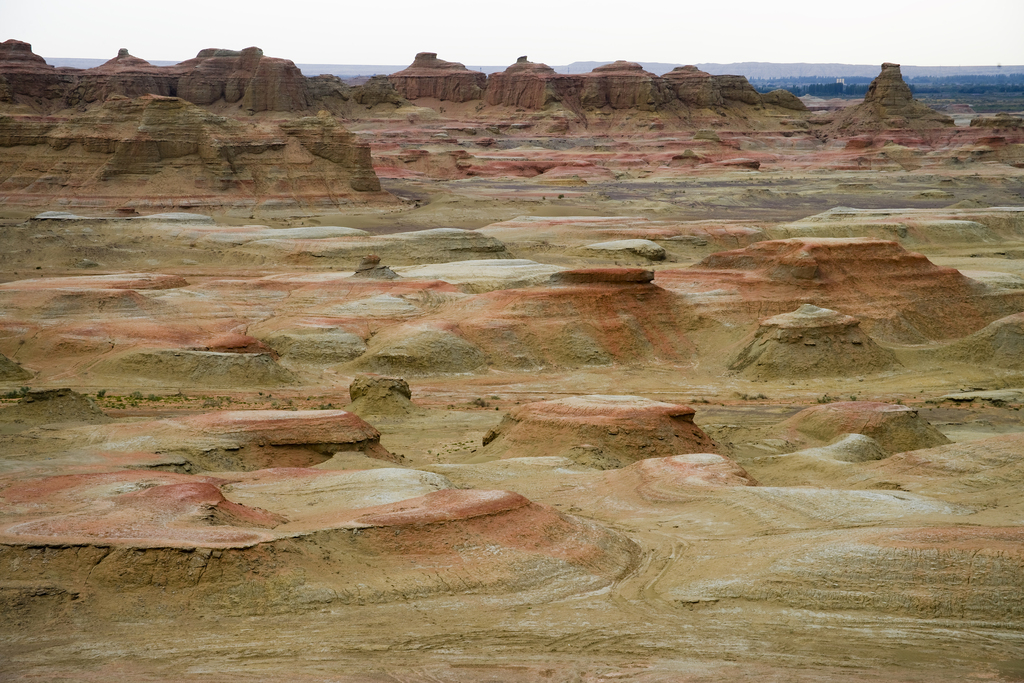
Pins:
x,y
25,75
600,431
532,86
811,342
435,78
623,85
259,83
693,87
889,104
125,75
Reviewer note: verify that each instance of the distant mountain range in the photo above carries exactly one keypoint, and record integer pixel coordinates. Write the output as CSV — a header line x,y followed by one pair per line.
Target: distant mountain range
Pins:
x,y
752,70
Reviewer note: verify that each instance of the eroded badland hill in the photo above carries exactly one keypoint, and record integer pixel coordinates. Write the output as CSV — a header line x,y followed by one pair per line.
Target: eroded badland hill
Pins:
x,y
534,376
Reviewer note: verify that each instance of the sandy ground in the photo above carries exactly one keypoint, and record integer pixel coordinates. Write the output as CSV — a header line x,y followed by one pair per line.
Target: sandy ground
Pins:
x,y
805,581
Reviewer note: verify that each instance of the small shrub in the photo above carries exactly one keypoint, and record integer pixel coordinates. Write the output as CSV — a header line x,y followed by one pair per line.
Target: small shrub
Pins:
x,y
101,393
136,395
561,196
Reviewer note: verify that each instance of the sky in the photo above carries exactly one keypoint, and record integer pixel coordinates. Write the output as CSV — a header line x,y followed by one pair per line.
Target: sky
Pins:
x,y
477,33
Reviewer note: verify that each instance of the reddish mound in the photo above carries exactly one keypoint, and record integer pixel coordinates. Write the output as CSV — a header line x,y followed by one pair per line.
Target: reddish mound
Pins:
x,y
896,428
323,431
604,316
154,533
603,431
900,295
137,509
662,480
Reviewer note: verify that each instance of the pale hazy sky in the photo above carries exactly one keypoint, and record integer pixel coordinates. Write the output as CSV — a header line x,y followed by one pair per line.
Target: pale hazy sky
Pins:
x,y
922,33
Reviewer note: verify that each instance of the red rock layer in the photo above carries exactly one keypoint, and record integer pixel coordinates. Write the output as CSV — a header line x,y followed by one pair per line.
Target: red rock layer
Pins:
x,y
623,429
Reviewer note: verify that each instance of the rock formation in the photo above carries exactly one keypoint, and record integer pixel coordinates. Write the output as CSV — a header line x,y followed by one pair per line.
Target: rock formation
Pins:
x,y
784,99
244,78
1000,343
897,294
123,75
379,395
532,86
622,85
896,428
25,77
11,371
164,151
673,478
370,267
888,104
435,78
693,87
212,369
811,342
256,82
598,431
48,406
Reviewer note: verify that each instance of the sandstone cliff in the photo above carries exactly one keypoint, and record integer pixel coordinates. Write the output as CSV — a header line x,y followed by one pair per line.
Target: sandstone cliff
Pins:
x,y
532,86
623,85
431,77
175,154
247,78
25,77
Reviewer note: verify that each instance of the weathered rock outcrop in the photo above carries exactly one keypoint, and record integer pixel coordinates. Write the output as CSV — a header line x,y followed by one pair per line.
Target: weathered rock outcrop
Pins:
x,y
693,87
25,76
888,104
123,75
599,431
255,82
172,153
258,83
811,342
899,295
532,86
784,99
737,89
623,85
429,76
